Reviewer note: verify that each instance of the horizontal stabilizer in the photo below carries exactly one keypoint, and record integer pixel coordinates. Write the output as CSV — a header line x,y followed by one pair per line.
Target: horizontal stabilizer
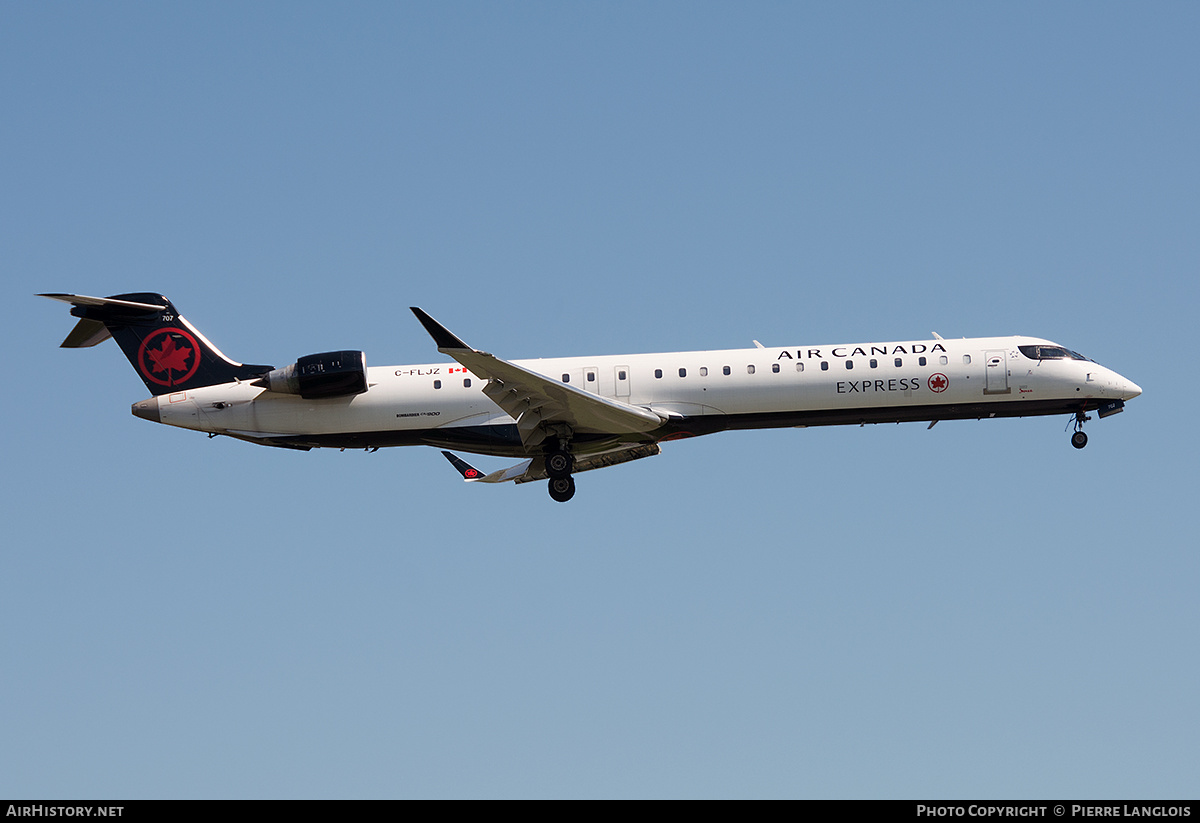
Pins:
x,y
104,302
86,333
90,330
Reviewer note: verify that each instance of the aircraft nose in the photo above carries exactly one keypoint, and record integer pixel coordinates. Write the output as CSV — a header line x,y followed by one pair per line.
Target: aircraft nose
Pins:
x,y
1131,390
147,410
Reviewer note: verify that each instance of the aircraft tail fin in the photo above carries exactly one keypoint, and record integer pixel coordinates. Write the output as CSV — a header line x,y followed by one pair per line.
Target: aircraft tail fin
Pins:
x,y
168,352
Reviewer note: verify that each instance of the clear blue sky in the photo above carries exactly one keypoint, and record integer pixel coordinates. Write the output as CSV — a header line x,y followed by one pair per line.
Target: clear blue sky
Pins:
x,y
977,610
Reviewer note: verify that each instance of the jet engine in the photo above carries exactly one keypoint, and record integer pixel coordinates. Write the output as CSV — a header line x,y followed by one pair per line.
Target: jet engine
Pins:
x,y
329,374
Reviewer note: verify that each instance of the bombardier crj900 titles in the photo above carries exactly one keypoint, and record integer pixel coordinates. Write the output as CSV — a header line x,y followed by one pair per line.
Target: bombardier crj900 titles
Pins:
x,y
568,415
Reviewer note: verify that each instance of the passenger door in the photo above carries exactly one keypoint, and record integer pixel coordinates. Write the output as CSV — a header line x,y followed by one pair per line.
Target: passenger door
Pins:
x,y
995,370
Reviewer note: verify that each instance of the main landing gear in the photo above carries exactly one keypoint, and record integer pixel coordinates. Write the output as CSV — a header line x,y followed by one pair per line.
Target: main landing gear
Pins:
x,y
562,489
558,466
1078,438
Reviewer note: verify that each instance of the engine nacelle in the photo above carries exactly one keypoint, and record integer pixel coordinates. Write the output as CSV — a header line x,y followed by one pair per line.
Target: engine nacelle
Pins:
x,y
329,374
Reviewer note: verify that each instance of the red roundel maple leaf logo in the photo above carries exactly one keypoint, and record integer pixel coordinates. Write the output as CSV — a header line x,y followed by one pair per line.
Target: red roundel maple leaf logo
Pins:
x,y
938,382
169,357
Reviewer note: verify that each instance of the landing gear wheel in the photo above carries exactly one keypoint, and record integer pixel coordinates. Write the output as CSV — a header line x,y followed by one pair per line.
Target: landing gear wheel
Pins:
x,y
1079,439
562,489
559,464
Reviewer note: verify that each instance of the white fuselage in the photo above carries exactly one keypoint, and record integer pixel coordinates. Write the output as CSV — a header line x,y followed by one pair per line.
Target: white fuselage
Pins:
x,y
697,392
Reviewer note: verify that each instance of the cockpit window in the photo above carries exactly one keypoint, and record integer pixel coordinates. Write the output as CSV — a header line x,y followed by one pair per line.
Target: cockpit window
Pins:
x,y
1050,353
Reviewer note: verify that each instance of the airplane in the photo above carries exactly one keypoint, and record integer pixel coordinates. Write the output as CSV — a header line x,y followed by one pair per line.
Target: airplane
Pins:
x,y
567,415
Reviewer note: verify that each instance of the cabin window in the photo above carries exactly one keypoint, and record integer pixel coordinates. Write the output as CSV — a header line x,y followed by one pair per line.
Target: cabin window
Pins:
x,y
683,372
922,361
824,365
566,377
466,383
704,371
943,360
724,370
967,359
437,384
658,373
874,363
849,364
750,369
799,366
775,368
620,375
899,362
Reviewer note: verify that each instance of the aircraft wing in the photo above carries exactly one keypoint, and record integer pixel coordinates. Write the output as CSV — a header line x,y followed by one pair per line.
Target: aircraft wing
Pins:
x,y
536,401
474,475
535,468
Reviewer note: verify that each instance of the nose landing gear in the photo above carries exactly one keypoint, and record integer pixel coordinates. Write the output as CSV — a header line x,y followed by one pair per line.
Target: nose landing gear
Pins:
x,y
1078,438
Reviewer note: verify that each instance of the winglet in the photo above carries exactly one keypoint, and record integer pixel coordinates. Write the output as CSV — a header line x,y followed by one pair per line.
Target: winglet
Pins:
x,y
441,335
468,471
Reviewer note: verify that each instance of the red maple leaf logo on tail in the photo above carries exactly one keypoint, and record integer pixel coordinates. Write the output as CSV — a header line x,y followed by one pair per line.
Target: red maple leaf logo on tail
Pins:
x,y
168,358
168,365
